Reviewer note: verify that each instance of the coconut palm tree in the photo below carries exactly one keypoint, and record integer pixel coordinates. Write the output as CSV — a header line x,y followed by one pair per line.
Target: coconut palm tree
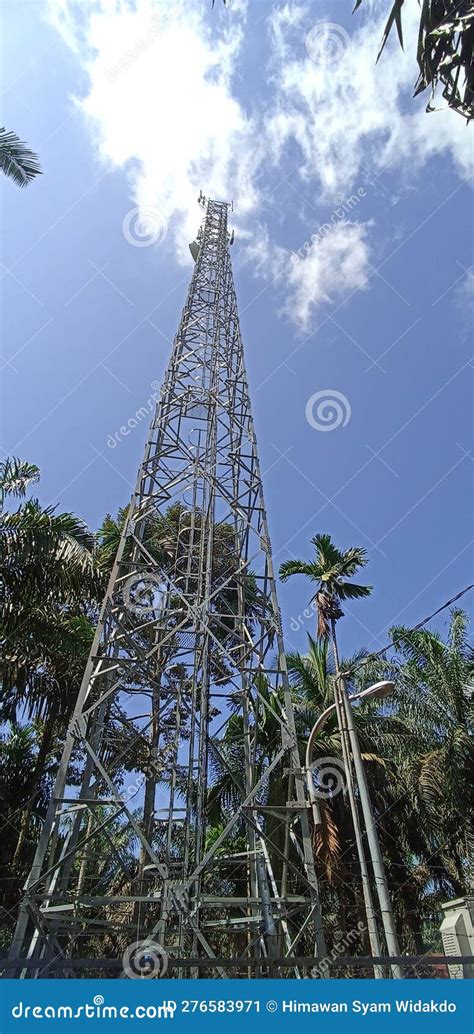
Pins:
x,y
16,159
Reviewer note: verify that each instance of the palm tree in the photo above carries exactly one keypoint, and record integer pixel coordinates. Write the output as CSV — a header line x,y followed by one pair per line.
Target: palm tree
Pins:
x,y
393,745
49,585
312,678
16,159
427,828
435,682
50,589
18,756
329,571
15,477
312,683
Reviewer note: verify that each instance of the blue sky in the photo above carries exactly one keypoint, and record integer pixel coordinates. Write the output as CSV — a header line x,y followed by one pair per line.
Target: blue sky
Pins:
x,y
279,107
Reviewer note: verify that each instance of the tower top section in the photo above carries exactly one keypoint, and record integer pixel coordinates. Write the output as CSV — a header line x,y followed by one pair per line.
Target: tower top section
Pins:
x,y
206,201
215,219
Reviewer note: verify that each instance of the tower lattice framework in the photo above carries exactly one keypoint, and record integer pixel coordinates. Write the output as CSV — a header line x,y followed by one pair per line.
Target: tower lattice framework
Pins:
x,y
181,766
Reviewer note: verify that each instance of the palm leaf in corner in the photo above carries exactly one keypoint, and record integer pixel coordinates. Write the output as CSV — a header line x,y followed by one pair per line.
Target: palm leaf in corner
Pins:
x,y
16,159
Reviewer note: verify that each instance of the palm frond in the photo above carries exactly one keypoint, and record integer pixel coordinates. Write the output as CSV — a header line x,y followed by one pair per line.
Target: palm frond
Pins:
x,y
351,591
329,556
16,159
353,559
290,567
327,841
16,476
458,630
310,675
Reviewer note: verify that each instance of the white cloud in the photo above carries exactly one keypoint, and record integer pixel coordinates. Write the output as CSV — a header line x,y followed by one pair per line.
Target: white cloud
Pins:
x,y
464,295
283,20
160,101
345,112
348,117
333,267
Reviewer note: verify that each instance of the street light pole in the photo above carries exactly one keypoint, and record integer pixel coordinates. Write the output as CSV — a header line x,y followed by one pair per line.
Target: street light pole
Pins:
x,y
368,815
373,842
366,889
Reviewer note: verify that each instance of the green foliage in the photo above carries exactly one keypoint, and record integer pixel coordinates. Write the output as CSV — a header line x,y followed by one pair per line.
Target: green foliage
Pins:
x,y
16,159
108,539
27,768
15,476
444,51
417,747
50,587
418,753
330,570
435,682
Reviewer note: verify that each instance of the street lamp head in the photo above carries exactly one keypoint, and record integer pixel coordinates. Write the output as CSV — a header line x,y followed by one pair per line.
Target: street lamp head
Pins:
x,y
379,691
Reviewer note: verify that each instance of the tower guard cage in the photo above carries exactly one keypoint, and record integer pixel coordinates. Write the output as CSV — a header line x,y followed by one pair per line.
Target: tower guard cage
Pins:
x,y
177,838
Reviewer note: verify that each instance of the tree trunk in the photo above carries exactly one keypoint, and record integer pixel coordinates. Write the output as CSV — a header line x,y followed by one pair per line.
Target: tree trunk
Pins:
x,y
44,749
148,802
